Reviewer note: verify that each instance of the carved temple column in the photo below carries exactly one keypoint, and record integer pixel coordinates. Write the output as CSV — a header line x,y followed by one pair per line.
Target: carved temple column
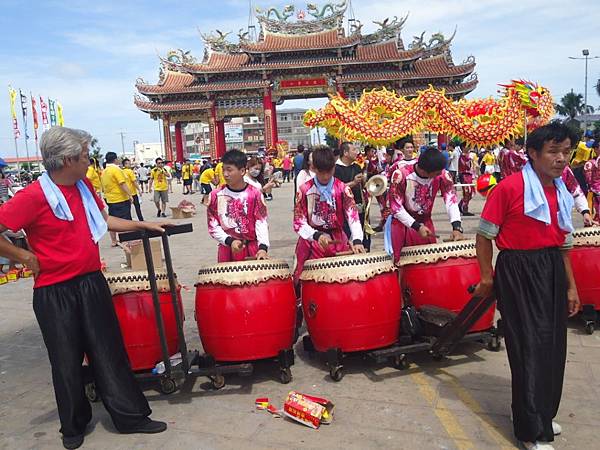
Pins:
x,y
167,139
217,134
270,119
179,142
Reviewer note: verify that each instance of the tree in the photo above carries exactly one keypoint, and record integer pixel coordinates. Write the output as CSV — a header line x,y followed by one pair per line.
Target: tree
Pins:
x,y
596,128
95,150
331,141
598,86
571,105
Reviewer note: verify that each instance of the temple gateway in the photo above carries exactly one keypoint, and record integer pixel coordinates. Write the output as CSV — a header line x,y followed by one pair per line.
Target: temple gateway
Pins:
x,y
296,54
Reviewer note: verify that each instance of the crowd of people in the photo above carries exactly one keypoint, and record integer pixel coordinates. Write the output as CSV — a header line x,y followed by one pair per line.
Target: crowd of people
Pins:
x,y
537,186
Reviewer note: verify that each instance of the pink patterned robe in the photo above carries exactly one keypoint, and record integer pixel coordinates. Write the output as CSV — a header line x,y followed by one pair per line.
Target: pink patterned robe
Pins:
x,y
312,215
511,162
466,174
411,200
238,215
591,170
573,187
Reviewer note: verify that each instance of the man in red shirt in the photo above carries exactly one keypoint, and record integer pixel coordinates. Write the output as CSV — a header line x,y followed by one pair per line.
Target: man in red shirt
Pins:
x,y
64,219
529,217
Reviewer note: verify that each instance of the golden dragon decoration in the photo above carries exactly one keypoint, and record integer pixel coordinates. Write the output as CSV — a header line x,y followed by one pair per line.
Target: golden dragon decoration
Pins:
x,y
381,117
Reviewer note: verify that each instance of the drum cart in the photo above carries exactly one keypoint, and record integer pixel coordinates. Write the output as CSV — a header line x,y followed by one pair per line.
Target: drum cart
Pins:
x,y
193,364
447,337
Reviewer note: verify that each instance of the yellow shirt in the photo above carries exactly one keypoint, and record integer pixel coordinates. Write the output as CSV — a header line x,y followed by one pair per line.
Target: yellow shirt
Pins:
x,y
219,174
159,179
582,154
186,171
130,180
489,159
112,177
277,163
207,176
94,176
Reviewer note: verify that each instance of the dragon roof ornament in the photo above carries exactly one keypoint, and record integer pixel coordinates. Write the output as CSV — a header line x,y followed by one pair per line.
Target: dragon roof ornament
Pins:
x,y
328,17
217,42
436,45
388,29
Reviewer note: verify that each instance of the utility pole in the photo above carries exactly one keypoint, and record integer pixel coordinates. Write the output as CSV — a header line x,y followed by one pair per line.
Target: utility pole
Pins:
x,y
122,143
586,55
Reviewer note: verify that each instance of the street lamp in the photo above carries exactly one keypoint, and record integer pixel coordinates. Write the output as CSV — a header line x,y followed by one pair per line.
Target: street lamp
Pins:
x,y
586,56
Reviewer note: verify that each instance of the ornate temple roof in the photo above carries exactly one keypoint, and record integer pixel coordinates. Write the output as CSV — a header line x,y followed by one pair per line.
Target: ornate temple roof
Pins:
x,y
273,43
150,107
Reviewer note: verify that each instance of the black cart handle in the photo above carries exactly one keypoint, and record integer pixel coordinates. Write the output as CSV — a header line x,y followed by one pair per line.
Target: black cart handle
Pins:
x,y
169,230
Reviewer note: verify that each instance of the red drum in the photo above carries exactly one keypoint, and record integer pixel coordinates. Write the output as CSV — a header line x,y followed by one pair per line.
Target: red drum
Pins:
x,y
351,303
133,303
440,275
585,261
246,310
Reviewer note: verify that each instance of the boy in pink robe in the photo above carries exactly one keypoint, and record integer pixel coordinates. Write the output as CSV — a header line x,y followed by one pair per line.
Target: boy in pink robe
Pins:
x,y
237,214
591,170
322,205
412,192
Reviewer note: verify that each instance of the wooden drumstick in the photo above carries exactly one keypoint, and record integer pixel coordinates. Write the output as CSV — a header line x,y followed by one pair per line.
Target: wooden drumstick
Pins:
x,y
344,253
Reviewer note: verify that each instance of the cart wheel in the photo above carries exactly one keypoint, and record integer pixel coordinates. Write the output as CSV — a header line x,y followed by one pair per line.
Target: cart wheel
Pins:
x,y
91,393
168,386
400,362
494,344
285,375
336,373
590,327
217,381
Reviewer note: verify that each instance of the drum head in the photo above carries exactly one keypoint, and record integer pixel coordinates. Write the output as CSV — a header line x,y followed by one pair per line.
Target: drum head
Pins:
x,y
341,269
121,283
244,272
432,253
586,237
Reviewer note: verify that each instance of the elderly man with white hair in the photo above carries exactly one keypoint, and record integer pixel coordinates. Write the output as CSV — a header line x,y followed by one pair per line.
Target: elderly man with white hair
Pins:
x,y
64,219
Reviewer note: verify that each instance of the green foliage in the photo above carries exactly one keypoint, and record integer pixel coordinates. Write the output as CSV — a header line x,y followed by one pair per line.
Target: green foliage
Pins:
x,y
95,150
331,141
572,105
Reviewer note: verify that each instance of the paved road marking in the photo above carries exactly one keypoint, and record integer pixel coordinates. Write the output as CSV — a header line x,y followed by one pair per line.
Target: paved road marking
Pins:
x,y
445,416
465,396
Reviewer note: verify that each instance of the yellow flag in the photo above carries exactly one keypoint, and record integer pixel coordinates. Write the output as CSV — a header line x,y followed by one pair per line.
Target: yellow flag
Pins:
x,y
13,96
59,115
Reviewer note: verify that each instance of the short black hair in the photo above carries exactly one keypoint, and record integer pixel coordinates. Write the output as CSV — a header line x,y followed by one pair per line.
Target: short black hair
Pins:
x,y
402,142
323,158
344,147
125,160
235,158
300,148
157,160
431,160
555,131
305,159
390,151
110,157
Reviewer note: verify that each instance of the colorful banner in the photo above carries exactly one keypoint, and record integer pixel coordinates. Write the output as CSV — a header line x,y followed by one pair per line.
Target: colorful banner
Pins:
x,y
13,112
51,103
24,111
59,115
44,110
35,116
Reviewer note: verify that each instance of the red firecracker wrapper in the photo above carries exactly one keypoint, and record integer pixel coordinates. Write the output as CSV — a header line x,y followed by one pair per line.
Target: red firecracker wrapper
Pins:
x,y
309,410
3,279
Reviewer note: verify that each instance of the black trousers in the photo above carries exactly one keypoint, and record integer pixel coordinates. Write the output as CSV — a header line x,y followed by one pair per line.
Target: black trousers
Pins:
x,y
77,317
580,177
531,287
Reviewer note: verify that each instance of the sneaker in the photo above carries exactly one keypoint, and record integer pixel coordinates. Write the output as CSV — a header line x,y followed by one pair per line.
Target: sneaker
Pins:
x,y
158,213
468,214
556,428
72,442
163,215
147,426
537,445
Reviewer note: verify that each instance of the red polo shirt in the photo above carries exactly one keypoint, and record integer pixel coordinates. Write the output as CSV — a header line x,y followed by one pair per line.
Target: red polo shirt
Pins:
x,y
64,249
505,208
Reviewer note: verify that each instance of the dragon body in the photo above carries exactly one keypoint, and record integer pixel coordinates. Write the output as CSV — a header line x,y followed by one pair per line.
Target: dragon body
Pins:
x,y
381,117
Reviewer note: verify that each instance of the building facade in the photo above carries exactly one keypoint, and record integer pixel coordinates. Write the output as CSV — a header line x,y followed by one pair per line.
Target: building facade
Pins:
x,y
293,59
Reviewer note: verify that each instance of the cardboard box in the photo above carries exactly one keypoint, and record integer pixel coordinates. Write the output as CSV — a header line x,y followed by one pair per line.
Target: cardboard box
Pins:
x,y
134,252
180,213
308,410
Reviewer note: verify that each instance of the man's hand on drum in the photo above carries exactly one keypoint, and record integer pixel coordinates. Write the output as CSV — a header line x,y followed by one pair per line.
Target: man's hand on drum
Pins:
x,y
324,241
237,246
261,254
425,232
358,248
485,288
588,221
457,235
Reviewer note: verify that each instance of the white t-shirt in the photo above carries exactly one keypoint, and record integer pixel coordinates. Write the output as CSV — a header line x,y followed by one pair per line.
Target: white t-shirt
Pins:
x,y
303,177
252,182
142,173
453,166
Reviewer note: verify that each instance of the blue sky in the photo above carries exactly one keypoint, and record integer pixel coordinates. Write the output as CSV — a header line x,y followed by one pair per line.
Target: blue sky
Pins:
x,y
89,54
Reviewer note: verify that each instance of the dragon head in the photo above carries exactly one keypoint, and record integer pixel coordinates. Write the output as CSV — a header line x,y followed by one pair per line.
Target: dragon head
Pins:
x,y
535,99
